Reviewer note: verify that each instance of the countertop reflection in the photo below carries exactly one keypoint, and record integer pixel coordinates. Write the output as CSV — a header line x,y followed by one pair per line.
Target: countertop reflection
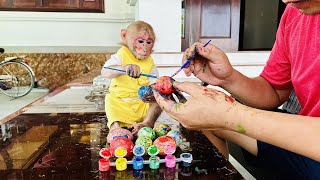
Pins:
x,y
66,146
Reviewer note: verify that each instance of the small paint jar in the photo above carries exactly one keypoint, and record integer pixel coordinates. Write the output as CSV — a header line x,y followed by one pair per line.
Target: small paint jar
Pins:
x,y
104,164
170,161
154,162
137,163
121,164
186,159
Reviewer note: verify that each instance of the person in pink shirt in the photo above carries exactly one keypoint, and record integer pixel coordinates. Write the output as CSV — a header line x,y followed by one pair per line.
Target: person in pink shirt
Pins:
x,y
288,143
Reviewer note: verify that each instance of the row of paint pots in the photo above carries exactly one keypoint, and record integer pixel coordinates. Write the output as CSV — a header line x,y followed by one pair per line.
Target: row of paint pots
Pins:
x,y
138,162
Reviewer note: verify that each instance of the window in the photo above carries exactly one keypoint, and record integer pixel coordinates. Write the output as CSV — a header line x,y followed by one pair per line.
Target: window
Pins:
x,y
53,5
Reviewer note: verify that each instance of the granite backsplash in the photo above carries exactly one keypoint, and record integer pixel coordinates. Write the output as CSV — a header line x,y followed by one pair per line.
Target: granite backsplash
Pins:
x,y
53,70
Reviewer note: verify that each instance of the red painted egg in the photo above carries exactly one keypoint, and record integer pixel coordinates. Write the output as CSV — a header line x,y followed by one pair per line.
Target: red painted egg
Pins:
x,y
162,141
164,85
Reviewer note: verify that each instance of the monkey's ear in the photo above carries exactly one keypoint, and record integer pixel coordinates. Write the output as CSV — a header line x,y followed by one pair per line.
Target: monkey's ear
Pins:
x,y
124,34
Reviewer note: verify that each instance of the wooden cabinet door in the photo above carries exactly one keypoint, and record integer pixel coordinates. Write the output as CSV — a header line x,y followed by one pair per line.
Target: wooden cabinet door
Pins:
x,y
215,20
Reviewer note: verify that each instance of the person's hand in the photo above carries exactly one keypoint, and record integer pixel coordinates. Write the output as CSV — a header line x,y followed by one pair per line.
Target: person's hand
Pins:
x,y
209,64
137,126
206,109
132,70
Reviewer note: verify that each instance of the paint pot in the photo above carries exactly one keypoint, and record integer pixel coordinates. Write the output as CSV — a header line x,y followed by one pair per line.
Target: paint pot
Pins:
x,y
170,159
105,153
154,160
137,161
121,163
104,164
186,159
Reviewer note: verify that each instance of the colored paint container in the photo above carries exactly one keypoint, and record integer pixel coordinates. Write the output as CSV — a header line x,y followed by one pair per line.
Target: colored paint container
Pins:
x,y
104,164
121,163
154,162
137,161
170,159
153,150
186,159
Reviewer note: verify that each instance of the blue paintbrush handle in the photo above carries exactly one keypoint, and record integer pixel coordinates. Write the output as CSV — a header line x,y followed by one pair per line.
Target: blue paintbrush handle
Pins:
x,y
188,61
120,70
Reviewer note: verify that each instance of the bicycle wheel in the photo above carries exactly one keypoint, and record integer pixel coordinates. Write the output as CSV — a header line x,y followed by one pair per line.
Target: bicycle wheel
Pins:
x,y
18,76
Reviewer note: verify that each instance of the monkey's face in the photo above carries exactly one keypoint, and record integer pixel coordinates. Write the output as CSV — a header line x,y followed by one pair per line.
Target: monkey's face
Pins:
x,y
141,44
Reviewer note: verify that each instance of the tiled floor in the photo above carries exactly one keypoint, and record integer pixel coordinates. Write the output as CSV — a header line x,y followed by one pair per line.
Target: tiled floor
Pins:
x,y
73,100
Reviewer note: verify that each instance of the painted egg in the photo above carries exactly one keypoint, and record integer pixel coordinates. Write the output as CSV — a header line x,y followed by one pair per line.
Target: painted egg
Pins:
x,y
144,141
162,141
119,132
176,135
161,129
145,93
147,131
122,142
164,85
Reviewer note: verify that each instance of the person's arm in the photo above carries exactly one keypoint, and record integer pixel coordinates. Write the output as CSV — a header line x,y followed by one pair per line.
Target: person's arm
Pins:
x,y
151,117
211,109
213,67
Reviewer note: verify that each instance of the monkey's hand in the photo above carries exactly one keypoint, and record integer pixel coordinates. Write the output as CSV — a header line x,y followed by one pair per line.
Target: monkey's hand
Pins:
x,y
132,70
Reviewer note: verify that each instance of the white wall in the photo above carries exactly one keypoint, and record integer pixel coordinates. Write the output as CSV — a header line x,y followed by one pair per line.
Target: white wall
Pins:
x,y
65,32
89,32
165,17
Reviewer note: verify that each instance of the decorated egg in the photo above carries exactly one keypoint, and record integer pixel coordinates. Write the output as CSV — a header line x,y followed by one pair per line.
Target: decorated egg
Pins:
x,y
161,129
119,132
162,141
176,135
145,93
144,141
147,131
122,142
164,85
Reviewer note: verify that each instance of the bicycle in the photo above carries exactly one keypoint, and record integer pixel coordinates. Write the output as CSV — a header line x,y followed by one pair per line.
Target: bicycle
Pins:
x,y
16,77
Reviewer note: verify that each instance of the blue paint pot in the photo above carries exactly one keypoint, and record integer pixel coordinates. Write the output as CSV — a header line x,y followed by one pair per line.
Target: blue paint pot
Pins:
x,y
137,163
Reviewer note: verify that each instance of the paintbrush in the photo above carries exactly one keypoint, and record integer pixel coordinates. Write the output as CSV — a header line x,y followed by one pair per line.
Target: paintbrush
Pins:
x,y
188,61
141,74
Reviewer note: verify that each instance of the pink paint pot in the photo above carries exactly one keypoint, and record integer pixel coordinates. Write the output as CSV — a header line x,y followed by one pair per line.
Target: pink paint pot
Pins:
x,y
104,164
170,161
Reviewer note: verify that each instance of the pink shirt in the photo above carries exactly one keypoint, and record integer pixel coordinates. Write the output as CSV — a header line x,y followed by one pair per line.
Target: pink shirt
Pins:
x,y
295,59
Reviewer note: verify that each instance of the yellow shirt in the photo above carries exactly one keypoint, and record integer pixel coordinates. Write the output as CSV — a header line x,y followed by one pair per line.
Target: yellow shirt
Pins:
x,y
117,106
